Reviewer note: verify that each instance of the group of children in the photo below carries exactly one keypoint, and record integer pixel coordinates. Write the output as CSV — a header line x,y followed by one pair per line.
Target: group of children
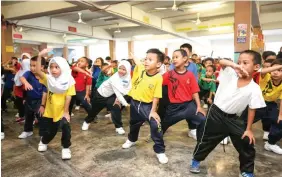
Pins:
x,y
161,92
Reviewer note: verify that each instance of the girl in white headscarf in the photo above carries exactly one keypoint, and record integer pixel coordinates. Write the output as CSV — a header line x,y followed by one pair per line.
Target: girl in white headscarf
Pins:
x,y
112,93
60,85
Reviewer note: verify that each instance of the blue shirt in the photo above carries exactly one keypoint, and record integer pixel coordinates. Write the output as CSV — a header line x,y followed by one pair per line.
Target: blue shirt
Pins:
x,y
38,88
192,67
9,80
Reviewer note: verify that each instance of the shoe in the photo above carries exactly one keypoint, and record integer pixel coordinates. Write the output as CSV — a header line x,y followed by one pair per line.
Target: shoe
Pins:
x,y
224,141
120,131
193,134
25,135
85,126
66,154
17,115
35,122
108,115
77,108
162,158
205,106
245,174
265,135
2,135
42,147
72,114
274,148
128,144
195,166
19,119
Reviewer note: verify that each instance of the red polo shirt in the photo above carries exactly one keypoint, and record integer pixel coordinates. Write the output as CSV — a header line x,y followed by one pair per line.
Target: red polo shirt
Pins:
x,y
181,87
81,80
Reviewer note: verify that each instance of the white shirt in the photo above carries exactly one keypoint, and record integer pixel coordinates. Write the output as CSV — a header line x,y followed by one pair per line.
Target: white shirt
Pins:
x,y
233,100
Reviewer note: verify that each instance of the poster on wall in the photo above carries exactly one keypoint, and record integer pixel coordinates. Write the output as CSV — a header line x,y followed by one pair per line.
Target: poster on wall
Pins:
x,y
242,33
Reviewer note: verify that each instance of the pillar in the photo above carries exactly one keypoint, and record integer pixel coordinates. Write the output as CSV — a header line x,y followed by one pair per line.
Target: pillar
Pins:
x,y
65,52
112,45
86,51
166,51
130,47
7,45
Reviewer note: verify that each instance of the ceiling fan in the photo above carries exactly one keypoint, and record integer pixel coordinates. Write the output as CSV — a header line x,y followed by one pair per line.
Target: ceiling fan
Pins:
x,y
197,21
173,8
117,30
80,19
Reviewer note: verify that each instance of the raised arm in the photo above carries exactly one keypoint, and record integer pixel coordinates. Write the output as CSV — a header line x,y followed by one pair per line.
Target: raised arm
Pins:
x,y
269,69
136,61
38,64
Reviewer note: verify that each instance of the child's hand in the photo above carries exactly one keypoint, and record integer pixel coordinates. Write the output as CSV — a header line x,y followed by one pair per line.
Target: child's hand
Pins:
x,y
249,134
45,51
240,70
27,86
279,118
41,111
209,100
155,116
200,109
67,116
87,98
117,103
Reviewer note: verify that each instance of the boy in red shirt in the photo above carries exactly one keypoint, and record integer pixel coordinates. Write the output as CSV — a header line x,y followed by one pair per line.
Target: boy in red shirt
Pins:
x,y
83,82
183,95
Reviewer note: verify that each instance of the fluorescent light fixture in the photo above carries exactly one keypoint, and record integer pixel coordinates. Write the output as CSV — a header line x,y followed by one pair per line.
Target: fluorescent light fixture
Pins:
x,y
160,8
220,28
90,41
104,18
143,36
205,6
117,31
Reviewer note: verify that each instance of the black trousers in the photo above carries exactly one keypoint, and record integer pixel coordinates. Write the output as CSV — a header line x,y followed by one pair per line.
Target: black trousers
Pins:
x,y
80,98
219,125
20,106
139,113
5,96
2,125
50,130
31,111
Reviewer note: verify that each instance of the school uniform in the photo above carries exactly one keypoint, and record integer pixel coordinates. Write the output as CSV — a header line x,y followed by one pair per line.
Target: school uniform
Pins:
x,y
181,88
81,81
206,87
144,89
32,100
7,89
230,101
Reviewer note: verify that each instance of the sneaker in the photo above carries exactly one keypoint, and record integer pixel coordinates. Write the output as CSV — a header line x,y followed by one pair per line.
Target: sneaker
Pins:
x,y
193,134
162,158
72,114
205,106
25,135
17,115
195,166
66,154
274,148
128,144
19,119
2,135
120,131
224,141
42,147
77,108
108,115
265,135
245,174
85,126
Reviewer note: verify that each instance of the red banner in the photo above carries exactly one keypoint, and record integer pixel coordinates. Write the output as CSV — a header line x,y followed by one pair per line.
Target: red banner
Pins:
x,y
17,36
72,29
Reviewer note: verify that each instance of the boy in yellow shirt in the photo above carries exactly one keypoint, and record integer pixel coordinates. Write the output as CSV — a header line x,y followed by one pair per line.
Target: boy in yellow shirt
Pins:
x,y
60,85
146,92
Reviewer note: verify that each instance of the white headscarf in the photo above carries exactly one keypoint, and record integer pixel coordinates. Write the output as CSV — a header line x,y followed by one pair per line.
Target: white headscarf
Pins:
x,y
25,54
25,66
64,81
122,84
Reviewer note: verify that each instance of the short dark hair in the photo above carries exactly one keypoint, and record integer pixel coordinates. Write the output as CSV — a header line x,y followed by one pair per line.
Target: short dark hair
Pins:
x,y
194,55
101,59
209,59
256,56
279,56
167,57
186,45
108,58
267,54
114,61
213,67
43,62
104,64
269,60
160,55
276,62
14,58
183,52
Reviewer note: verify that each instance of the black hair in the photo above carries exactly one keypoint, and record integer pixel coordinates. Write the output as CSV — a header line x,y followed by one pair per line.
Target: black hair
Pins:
x,y
213,67
267,54
279,56
43,62
194,55
160,55
101,59
269,60
167,57
256,56
108,58
209,59
186,45
115,61
89,63
105,64
14,58
276,62
183,52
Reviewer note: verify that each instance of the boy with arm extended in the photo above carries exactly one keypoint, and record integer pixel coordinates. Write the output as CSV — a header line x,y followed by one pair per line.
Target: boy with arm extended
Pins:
x,y
146,91
234,94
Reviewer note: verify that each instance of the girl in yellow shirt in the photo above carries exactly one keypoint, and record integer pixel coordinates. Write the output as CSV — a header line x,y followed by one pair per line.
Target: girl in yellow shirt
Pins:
x,y
60,85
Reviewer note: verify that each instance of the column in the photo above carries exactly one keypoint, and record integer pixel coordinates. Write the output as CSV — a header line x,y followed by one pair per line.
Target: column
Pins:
x,y
7,45
86,51
130,47
65,52
112,45
166,51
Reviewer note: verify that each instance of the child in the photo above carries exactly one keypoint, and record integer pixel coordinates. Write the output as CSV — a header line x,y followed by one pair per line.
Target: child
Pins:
x,y
60,85
207,62
146,91
112,92
182,89
114,64
34,92
104,75
207,85
268,55
234,94
83,82
96,69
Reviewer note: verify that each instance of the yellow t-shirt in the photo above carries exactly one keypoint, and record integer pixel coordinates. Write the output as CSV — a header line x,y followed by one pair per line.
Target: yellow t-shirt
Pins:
x,y
55,102
270,92
145,87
